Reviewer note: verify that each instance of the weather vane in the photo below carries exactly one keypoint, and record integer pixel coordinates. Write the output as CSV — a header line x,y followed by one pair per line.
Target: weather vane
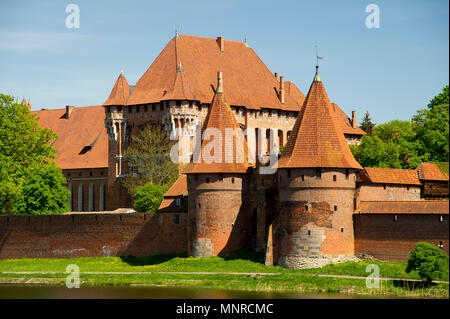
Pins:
x,y
318,57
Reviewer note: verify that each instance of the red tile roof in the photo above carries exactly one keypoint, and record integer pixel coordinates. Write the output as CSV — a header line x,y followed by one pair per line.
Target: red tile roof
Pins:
x,y
220,117
178,188
345,122
389,176
119,93
439,207
249,82
431,172
82,140
316,139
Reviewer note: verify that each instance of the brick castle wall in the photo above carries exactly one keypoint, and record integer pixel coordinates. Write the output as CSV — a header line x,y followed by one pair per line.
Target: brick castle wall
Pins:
x,y
315,213
90,234
219,221
380,236
388,192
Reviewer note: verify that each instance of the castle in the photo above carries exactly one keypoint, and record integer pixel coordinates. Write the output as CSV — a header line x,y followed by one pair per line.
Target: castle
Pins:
x,y
318,205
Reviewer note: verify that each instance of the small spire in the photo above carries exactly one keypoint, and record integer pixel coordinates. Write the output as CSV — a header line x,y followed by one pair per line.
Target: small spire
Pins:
x,y
317,77
245,40
179,68
177,35
219,83
122,74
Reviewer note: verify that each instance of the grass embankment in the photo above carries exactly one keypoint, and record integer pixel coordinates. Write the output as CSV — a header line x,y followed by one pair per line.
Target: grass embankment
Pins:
x,y
285,280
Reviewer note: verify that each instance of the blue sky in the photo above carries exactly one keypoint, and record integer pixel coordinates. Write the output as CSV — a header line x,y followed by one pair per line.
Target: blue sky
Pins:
x,y
391,71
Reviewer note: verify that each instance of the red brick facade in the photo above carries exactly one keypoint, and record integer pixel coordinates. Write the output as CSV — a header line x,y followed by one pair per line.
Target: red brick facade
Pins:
x,y
92,235
391,237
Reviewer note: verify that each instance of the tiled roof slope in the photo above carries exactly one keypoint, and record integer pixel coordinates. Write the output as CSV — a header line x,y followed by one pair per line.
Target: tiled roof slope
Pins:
x,y
179,188
430,172
119,93
439,207
82,140
248,83
389,176
220,117
345,122
317,139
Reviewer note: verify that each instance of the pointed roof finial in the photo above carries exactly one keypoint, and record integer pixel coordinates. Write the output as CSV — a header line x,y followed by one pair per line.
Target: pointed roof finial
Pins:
x,y
177,35
179,68
317,77
122,74
219,83
245,40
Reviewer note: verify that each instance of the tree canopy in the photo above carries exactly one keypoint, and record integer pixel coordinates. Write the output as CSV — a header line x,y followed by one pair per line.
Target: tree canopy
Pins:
x,y
406,144
366,124
429,262
30,181
148,158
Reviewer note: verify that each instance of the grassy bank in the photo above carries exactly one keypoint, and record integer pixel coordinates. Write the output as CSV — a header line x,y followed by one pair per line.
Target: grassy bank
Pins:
x,y
285,280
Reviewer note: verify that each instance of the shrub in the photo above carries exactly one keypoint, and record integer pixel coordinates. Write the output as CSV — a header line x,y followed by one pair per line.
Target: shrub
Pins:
x,y
429,262
148,197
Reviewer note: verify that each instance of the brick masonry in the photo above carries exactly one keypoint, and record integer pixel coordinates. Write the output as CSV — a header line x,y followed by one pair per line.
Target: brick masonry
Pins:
x,y
90,235
383,237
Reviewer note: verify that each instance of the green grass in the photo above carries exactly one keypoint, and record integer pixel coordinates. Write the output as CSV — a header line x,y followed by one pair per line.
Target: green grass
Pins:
x,y
236,262
287,280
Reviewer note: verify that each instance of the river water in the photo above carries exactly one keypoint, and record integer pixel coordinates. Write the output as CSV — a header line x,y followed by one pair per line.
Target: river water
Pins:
x,y
151,292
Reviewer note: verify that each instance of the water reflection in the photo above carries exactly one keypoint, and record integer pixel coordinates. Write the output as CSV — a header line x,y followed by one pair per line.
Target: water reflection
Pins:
x,y
61,292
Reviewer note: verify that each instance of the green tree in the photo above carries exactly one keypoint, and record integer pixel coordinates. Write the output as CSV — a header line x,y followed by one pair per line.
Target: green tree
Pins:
x,y
392,145
366,124
148,159
429,262
148,197
432,129
27,153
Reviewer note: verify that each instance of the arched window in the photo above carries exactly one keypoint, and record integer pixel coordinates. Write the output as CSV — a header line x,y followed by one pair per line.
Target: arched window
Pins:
x,y
280,138
80,197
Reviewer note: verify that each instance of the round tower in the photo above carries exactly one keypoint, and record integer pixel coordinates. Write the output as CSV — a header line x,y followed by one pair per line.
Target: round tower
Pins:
x,y
218,220
316,180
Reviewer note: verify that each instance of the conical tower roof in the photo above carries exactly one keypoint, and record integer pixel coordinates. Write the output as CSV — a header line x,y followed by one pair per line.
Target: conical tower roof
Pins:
x,y
233,151
317,139
119,93
181,88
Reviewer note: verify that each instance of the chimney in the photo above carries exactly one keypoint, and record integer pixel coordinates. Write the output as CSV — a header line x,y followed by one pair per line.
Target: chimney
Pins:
x,y
276,75
282,89
69,110
221,42
354,119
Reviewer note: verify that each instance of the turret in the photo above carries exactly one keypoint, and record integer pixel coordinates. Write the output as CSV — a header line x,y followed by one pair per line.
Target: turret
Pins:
x,y
218,221
116,126
316,180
